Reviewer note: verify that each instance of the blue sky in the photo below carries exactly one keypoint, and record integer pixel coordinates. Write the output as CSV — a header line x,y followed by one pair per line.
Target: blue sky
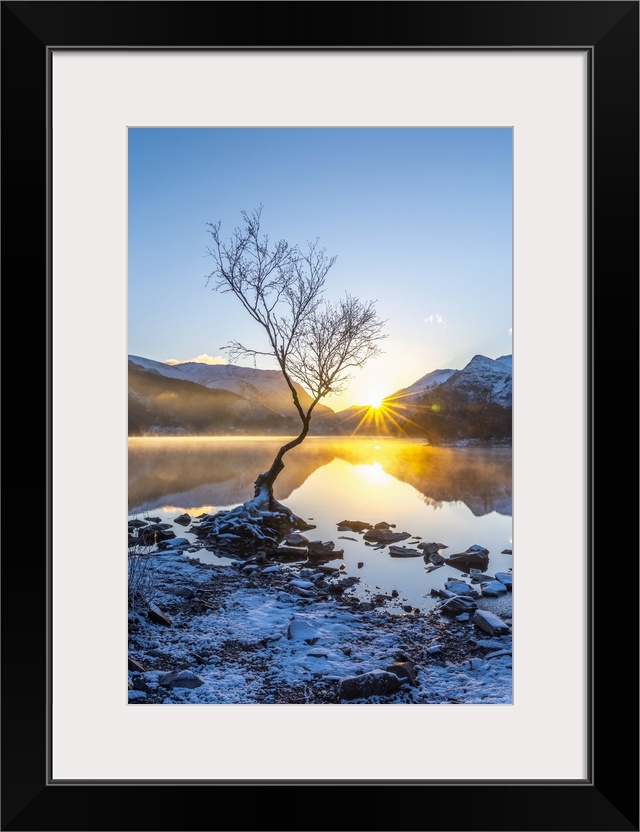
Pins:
x,y
420,220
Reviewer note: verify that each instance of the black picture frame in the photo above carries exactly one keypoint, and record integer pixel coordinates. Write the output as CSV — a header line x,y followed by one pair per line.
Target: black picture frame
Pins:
x,y
608,798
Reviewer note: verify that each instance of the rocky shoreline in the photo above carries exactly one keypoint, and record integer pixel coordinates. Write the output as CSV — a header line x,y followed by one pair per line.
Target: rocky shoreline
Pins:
x,y
262,630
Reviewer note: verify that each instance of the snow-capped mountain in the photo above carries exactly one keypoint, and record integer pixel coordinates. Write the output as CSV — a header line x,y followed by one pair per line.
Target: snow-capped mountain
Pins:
x,y
483,381
432,379
266,387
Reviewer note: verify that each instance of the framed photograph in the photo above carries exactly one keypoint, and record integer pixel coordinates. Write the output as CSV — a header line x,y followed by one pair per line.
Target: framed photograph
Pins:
x,y
126,124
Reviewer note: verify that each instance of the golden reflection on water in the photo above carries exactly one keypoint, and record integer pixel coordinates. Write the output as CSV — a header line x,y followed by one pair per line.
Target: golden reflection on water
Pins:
x,y
215,471
458,496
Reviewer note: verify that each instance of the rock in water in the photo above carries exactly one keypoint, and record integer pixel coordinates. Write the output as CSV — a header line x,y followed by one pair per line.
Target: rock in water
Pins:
x,y
404,552
374,683
318,549
432,548
353,525
182,519
493,588
458,587
385,536
296,539
475,556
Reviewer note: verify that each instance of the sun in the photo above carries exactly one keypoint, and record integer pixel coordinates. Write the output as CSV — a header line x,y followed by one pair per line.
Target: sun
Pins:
x,y
375,400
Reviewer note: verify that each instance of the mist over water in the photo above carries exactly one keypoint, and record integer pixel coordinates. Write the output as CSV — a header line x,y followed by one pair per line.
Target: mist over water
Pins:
x,y
455,496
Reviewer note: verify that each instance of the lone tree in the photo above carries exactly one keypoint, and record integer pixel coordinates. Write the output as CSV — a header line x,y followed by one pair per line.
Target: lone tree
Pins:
x,y
315,342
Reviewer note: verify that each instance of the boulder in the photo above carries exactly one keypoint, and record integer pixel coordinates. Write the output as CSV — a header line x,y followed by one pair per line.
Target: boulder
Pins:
x,y
374,683
134,665
158,654
458,604
320,547
172,543
385,536
327,550
182,519
296,539
301,630
505,578
288,553
154,534
404,552
493,588
458,587
353,525
327,570
304,593
432,548
506,552
475,556
136,523
404,671
158,617
180,679
182,591
490,623
302,584
477,575
140,684
383,525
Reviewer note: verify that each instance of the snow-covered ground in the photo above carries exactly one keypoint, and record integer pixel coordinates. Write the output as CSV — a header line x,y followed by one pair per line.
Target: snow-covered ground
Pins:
x,y
260,632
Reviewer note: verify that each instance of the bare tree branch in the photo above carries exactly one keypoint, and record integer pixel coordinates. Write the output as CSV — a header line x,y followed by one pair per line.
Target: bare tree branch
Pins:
x,y
281,287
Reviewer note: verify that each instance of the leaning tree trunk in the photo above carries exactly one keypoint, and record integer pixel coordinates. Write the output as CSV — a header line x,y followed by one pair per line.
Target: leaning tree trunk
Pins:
x,y
264,482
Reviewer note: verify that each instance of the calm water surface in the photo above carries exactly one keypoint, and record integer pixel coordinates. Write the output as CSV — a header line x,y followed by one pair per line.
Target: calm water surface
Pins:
x,y
456,496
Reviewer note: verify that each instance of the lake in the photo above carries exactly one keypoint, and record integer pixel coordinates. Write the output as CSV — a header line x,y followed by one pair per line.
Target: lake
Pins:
x,y
457,496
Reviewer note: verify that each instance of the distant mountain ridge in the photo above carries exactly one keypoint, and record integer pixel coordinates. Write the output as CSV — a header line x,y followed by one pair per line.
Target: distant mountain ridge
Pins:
x,y
266,387
192,398
483,381
164,405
